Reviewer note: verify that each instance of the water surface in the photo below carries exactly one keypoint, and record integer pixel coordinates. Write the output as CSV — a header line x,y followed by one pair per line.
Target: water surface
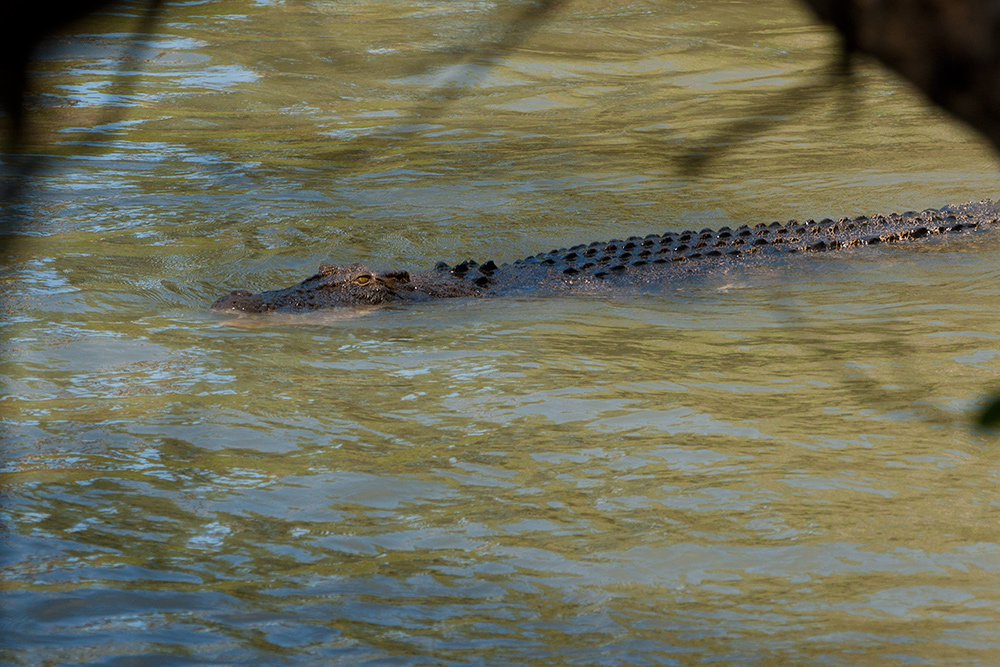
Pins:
x,y
769,467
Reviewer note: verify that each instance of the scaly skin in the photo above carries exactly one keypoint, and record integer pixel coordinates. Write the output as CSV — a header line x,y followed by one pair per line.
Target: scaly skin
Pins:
x,y
653,259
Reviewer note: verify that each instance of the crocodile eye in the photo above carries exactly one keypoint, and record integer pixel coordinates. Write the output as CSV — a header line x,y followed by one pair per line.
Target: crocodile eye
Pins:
x,y
363,280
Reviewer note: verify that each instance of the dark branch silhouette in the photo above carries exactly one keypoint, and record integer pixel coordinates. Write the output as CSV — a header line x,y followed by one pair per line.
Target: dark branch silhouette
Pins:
x,y
797,99
949,49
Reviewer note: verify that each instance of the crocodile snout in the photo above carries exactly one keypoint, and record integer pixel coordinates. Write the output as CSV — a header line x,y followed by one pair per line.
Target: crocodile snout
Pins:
x,y
240,300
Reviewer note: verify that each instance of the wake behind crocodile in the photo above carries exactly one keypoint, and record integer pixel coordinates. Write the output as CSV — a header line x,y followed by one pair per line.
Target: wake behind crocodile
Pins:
x,y
656,259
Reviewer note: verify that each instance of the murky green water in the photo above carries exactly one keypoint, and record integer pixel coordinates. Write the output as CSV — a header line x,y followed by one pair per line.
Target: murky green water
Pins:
x,y
765,468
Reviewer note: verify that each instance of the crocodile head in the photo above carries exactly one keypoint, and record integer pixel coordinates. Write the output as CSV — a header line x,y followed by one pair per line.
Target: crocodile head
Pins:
x,y
354,285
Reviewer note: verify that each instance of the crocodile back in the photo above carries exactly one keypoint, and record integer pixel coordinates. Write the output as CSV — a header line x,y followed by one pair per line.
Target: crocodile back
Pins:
x,y
660,258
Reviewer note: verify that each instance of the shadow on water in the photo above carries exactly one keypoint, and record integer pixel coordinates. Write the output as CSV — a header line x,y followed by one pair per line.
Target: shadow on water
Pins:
x,y
25,27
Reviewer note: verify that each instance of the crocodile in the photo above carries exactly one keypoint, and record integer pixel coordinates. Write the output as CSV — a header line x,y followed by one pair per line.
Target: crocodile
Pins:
x,y
636,260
